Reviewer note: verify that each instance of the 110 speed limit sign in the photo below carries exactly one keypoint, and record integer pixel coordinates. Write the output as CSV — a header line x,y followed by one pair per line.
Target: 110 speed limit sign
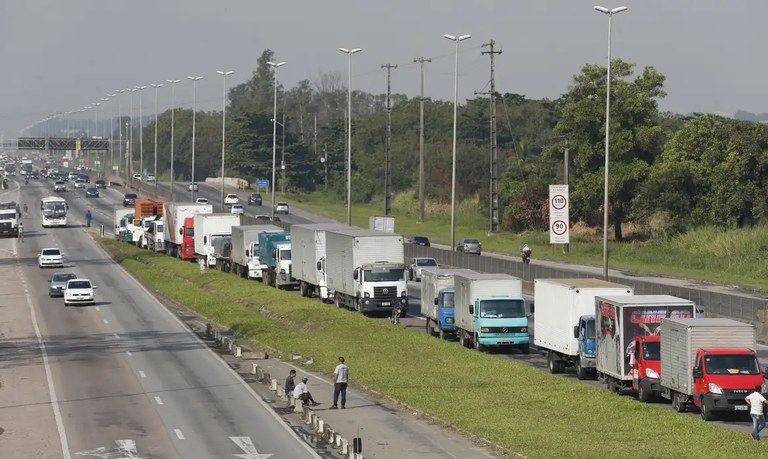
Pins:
x,y
559,224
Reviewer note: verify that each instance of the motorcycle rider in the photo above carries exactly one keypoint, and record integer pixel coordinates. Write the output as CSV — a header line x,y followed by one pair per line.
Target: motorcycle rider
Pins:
x,y
526,253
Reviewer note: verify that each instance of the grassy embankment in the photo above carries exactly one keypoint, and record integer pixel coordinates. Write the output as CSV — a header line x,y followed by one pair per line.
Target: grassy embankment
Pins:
x,y
508,403
730,257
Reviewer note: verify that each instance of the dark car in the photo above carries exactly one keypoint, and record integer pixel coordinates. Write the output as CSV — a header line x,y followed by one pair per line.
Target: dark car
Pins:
x,y
34,175
101,184
58,282
92,192
420,240
470,246
266,218
254,198
129,199
84,178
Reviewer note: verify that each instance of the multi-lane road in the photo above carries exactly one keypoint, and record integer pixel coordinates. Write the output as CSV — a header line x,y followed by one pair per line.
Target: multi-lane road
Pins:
x,y
123,378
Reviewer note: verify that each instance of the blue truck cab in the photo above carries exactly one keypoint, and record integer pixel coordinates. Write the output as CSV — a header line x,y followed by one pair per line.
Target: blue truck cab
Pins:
x,y
585,333
445,309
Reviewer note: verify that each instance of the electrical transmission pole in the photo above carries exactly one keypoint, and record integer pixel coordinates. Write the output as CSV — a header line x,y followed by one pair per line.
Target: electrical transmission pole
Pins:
x,y
494,191
388,154
421,62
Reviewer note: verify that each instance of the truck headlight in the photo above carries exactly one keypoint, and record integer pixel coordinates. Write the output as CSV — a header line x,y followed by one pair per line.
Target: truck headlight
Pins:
x,y
652,374
523,329
282,271
404,293
366,295
715,389
484,330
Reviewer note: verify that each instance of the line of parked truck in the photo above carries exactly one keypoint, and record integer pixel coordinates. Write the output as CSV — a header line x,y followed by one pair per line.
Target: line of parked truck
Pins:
x,y
653,345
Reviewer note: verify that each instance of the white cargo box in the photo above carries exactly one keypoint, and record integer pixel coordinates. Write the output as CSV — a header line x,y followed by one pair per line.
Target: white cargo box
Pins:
x,y
432,281
307,248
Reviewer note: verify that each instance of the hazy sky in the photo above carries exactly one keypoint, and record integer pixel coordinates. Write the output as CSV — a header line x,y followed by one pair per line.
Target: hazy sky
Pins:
x,y
60,55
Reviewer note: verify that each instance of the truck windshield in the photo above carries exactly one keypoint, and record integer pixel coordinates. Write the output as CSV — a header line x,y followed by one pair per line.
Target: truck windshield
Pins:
x,y
285,254
745,364
591,329
383,275
190,232
7,214
448,300
502,308
652,351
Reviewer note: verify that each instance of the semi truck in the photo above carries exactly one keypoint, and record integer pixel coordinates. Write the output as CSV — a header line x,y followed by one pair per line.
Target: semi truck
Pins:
x,y
625,322
490,311
565,321
179,227
122,216
366,269
709,363
275,258
245,249
9,219
208,228
437,300
153,234
222,251
309,258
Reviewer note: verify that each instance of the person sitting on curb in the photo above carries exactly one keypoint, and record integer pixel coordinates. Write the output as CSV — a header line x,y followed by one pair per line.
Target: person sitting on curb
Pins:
x,y
301,392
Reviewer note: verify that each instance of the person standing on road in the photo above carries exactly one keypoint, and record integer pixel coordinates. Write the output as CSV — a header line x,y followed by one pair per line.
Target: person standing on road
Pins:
x,y
340,380
21,232
290,383
756,401
88,218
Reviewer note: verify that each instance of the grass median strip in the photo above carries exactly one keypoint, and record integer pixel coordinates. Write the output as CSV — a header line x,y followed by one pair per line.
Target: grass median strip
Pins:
x,y
513,405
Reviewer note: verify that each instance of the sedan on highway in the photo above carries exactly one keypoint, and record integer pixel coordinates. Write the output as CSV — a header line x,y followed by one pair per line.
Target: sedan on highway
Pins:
x,y
137,177
237,209
50,257
129,199
59,186
231,199
92,192
470,246
417,264
150,177
58,282
254,198
281,208
193,187
79,291
420,240
80,183
201,200
101,184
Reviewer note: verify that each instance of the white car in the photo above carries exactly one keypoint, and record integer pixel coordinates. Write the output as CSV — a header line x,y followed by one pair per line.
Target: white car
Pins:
x,y
231,199
150,177
417,264
59,186
237,209
80,183
281,208
50,257
192,187
137,177
79,291
201,200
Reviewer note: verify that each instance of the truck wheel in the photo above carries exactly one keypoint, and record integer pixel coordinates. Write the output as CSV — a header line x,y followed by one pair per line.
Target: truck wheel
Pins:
x,y
462,339
429,327
706,411
553,364
441,334
581,373
476,344
642,392
678,403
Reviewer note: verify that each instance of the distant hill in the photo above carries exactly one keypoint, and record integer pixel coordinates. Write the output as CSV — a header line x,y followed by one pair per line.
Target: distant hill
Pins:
x,y
749,116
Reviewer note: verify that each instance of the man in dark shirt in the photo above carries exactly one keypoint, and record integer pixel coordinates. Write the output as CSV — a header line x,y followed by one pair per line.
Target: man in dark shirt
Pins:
x,y
290,384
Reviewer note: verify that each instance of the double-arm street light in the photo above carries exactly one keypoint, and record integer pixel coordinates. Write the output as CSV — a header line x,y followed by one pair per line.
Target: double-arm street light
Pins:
x,y
194,109
349,53
223,126
610,13
141,136
157,120
173,123
275,66
120,130
456,40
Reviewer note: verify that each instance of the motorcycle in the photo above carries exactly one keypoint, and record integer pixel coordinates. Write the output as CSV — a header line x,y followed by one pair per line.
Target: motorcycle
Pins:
x,y
527,257
26,180
5,184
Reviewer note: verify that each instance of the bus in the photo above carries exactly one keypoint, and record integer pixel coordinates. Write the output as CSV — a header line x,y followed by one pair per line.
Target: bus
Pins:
x,y
53,211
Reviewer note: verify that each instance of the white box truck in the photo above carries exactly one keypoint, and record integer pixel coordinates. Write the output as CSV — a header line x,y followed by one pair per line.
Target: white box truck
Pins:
x,y
491,311
309,258
245,249
179,227
437,300
381,223
565,321
207,229
709,363
366,269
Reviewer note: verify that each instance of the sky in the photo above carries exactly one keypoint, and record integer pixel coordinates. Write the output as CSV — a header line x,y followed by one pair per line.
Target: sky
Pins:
x,y
63,55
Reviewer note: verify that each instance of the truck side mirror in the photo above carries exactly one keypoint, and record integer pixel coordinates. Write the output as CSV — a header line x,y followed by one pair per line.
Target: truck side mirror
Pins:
x,y
471,309
247,253
181,231
319,266
205,239
274,253
765,372
697,373
354,275
435,301
576,331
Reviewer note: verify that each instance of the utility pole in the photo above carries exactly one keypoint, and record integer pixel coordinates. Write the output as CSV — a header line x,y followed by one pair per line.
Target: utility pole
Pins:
x,y
566,162
388,154
421,61
494,191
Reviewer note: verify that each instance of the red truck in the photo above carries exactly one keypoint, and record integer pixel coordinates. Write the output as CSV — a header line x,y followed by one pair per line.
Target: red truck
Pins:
x,y
179,228
646,367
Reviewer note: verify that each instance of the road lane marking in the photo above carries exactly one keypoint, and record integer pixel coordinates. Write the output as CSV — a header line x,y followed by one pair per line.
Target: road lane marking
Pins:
x,y
128,353
125,449
158,401
106,321
51,388
98,308
249,449
116,336
179,434
142,374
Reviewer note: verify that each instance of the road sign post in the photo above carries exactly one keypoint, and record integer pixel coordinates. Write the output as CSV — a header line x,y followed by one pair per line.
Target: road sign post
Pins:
x,y
559,222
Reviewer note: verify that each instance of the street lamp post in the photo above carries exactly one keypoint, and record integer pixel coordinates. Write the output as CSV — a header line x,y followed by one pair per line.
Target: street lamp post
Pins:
x,y
349,53
456,40
275,66
223,126
173,110
129,148
194,109
104,161
610,13
157,120
141,137
120,130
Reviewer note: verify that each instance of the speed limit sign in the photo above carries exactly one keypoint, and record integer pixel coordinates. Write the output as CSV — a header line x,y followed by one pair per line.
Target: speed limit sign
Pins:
x,y
559,223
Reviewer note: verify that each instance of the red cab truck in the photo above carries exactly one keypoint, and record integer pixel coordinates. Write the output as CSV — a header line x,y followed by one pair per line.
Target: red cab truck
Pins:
x,y
709,363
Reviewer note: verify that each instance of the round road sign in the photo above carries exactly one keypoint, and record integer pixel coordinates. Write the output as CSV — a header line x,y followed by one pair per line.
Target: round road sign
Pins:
x,y
559,202
559,227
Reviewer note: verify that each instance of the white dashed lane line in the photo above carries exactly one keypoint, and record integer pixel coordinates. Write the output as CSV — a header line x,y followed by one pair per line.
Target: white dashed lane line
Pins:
x,y
179,434
142,374
158,401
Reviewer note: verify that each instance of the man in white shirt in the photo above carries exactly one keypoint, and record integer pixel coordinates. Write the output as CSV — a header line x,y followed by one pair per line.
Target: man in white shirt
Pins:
x,y
301,392
340,380
756,400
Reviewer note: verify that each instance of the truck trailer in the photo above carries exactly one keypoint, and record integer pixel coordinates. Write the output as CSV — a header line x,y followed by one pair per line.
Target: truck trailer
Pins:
x,y
565,321
245,249
437,300
366,269
709,363
179,227
309,258
491,311
208,228
620,321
